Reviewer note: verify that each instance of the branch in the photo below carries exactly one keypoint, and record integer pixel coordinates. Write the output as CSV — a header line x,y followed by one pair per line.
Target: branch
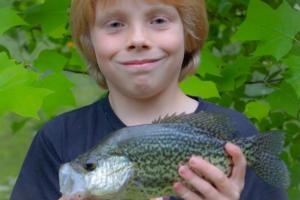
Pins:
x,y
76,71
31,67
253,82
263,81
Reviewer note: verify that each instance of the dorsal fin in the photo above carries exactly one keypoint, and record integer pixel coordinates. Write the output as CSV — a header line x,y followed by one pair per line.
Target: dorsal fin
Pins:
x,y
215,123
173,118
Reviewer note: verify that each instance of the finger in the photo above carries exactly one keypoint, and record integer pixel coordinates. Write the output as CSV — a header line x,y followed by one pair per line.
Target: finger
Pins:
x,y
239,164
64,197
211,173
77,197
73,197
202,186
184,192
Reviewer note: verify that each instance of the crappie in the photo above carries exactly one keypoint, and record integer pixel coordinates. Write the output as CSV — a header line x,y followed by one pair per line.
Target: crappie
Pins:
x,y
140,162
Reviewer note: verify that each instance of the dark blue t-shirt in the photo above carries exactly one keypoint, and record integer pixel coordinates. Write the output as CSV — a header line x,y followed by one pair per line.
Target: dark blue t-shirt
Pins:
x,y
73,133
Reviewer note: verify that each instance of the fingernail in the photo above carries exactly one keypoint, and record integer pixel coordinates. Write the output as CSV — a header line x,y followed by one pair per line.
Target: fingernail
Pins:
x,y
177,186
182,170
230,145
194,161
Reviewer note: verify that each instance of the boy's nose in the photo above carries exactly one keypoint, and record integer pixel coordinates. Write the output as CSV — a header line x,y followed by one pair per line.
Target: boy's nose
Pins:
x,y
138,39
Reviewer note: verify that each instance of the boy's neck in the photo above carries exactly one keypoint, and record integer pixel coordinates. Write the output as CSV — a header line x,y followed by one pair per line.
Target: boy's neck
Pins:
x,y
134,111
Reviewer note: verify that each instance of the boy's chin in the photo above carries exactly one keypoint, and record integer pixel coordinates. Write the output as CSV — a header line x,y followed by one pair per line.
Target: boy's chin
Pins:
x,y
144,92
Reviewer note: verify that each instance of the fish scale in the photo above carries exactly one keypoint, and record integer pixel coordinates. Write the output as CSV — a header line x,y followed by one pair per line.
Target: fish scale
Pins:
x,y
160,171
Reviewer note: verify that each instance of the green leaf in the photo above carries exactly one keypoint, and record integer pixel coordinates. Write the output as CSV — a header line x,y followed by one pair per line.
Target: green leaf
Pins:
x,y
56,63
12,74
235,74
296,48
84,84
194,86
58,102
293,74
294,193
16,90
52,16
295,151
256,90
5,62
274,29
257,110
210,63
292,129
9,19
285,99
62,95
55,82
16,75
17,125
77,61
23,100
5,3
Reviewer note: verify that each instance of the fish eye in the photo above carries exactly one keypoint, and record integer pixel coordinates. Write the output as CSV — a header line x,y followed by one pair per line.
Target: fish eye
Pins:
x,y
90,166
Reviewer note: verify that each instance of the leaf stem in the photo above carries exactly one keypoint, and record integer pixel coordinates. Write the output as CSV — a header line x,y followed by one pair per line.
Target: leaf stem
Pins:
x,y
263,81
76,71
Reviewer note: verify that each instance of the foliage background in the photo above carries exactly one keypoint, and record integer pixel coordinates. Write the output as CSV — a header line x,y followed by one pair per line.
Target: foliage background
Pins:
x,y
251,63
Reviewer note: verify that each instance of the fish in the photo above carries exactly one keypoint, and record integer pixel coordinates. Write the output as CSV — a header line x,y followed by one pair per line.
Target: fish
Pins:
x,y
141,162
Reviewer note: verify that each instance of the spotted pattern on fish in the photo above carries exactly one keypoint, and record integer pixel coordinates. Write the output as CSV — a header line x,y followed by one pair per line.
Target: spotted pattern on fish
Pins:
x,y
154,151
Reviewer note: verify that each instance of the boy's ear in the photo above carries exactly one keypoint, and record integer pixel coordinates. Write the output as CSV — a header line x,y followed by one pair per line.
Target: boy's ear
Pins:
x,y
191,67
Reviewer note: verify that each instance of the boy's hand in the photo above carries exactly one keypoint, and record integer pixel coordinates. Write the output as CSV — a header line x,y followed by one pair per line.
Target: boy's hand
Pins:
x,y
216,185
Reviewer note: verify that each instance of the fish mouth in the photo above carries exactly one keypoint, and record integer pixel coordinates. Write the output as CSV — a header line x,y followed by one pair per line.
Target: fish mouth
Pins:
x,y
104,182
70,181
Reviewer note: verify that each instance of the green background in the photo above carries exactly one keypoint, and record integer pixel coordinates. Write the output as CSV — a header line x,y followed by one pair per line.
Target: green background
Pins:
x,y
250,63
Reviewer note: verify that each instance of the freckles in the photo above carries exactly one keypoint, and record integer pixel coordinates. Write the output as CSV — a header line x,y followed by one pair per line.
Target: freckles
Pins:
x,y
172,42
106,46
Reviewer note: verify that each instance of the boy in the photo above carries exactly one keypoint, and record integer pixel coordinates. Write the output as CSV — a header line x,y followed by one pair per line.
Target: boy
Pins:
x,y
138,50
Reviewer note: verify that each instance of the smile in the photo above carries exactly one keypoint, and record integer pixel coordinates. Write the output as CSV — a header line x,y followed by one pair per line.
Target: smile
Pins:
x,y
140,63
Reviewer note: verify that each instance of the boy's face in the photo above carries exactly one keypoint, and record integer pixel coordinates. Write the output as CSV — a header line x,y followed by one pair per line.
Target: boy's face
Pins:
x,y
139,46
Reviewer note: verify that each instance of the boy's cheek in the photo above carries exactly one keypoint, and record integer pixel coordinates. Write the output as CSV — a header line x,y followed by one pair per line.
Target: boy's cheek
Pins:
x,y
170,42
106,46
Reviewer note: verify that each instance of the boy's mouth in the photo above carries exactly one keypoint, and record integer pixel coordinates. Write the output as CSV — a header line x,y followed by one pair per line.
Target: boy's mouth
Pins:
x,y
140,63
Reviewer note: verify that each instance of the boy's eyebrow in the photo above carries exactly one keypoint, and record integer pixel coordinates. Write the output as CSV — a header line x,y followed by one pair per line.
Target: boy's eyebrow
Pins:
x,y
160,8
122,13
109,14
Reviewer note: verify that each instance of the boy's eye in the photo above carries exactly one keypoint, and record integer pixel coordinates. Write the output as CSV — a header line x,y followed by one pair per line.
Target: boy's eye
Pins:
x,y
159,20
115,25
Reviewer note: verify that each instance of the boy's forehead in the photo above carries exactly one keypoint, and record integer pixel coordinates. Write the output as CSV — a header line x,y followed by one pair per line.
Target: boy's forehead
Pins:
x,y
108,3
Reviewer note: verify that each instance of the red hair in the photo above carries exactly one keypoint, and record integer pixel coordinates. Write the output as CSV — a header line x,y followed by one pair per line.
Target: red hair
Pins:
x,y
192,13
